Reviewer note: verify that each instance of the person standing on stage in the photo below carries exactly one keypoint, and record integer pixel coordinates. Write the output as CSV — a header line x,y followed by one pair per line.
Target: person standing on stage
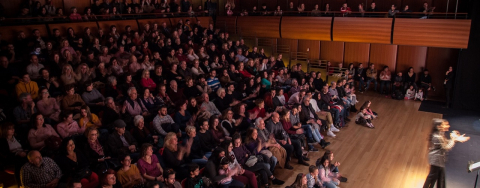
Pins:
x,y
438,147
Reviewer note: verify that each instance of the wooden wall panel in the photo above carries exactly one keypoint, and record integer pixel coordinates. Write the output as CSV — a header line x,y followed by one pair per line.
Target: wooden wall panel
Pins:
x,y
77,27
411,56
251,26
227,23
332,51
204,21
312,46
292,43
320,30
10,33
383,55
369,30
438,61
432,32
105,25
356,53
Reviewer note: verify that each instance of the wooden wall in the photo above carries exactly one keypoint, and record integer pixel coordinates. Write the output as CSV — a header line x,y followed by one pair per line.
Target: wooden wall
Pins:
x,y
356,53
447,33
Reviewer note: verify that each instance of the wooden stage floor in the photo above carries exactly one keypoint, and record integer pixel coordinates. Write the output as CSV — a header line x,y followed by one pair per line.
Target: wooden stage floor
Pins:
x,y
393,155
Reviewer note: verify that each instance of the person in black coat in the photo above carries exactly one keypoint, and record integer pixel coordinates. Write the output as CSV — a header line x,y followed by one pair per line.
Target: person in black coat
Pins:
x,y
8,154
93,147
122,142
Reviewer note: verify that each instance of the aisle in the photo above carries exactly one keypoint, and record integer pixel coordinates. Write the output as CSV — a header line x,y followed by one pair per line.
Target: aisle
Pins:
x,y
392,155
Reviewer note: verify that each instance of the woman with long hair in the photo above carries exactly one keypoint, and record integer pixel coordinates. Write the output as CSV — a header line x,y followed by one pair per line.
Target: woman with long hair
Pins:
x,y
175,155
300,181
217,130
439,145
325,174
74,165
88,119
245,176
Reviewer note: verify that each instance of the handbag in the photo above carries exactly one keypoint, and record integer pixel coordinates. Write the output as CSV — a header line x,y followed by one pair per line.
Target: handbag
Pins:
x,y
267,153
252,160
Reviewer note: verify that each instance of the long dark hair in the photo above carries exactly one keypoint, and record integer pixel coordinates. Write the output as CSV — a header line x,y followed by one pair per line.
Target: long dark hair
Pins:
x,y
365,105
214,157
298,181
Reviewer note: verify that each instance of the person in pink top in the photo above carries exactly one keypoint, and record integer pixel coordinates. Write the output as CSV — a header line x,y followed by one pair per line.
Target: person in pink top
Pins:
x,y
147,82
75,16
39,132
69,127
329,178
148,164
134,65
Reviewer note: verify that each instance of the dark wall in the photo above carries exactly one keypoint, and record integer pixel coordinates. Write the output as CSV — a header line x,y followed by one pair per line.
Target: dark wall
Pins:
x,y
467,85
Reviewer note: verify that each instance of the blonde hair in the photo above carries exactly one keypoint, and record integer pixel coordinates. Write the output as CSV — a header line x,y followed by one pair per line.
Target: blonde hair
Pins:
x,y
145,71
168,138
189,129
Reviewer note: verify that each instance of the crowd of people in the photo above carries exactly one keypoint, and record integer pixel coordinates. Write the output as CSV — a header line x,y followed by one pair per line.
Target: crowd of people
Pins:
x,y
344,10
161,105
35,11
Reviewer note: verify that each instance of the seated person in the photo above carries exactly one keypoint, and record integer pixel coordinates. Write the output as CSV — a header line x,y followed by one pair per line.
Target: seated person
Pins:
x,y
39,132
425,82
26,85
276,128
163,123
148,164
133,106
221,102
122,142
69,127
93,98
143,134
151,103
89,119
182,116
175,93
94,148
169,179
129,174
209,106
11,150
48,106
72,101
23,112
74,165
40,171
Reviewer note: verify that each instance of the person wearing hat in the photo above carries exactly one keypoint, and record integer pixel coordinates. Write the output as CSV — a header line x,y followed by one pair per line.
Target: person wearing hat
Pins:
x,y
122,142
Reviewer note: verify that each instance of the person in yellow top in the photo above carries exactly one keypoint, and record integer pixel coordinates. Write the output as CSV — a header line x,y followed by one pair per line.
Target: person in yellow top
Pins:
x,y
88,119
27,86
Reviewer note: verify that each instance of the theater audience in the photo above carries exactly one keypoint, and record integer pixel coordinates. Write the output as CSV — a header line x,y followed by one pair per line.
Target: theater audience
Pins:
x,y
247,91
